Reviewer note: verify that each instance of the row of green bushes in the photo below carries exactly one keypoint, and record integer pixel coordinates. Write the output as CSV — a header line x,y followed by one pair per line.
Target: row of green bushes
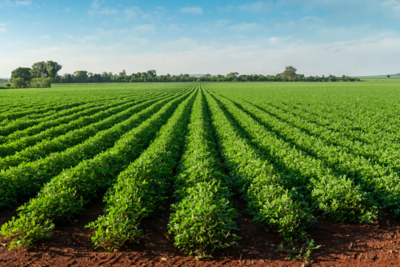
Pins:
x,y
42,82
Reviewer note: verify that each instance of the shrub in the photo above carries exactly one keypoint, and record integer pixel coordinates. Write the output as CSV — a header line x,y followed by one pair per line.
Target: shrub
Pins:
x,y
18,83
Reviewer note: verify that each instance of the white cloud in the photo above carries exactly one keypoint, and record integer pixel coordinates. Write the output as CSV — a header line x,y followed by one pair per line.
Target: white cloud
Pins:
x,y
222,22
173,28
107,11
155,15
133,12
16,3
191,10
193,56
227,8
391,4
67,9
96,9
311,19
23,3
3,27
257,6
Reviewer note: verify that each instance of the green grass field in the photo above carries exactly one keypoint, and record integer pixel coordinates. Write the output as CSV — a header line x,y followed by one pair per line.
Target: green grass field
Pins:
x,y
292,151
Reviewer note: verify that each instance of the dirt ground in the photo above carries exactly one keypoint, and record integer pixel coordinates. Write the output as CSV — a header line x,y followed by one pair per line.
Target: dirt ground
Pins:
x,y
374,244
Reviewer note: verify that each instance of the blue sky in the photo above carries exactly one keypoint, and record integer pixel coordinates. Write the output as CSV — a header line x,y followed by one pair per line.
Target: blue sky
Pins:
x,y
351,37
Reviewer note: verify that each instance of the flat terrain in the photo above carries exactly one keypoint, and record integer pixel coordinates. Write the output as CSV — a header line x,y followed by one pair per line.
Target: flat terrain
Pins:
x,y
143,174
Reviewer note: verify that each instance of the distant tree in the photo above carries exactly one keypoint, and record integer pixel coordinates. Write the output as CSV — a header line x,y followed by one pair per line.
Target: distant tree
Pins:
x,y
388,76
19,83
39,69
42,82
232,74
290,73
23,73
81,76
151,73
67,78
52,68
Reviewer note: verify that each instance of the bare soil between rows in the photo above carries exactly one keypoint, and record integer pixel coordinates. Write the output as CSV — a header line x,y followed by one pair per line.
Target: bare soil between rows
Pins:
x,y
376,244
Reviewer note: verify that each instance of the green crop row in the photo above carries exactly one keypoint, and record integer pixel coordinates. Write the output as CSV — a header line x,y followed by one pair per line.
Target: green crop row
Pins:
x,y
21,124
44,107
18,183
144,184
332,149
338,197
94,124
17,128
370,118
203,218
66,194
49,110
376,146
75,121
258,181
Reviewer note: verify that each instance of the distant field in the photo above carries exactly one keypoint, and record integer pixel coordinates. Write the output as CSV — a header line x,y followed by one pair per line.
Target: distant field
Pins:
x,y
292,151
378,77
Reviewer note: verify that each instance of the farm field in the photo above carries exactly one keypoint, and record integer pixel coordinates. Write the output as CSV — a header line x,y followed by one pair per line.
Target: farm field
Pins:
x,y
158,173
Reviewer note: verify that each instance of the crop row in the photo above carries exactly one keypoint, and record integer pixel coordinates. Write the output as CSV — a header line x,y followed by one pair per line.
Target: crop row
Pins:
x,y
142,187
381,183
338,197
39,111
94,124
362,121
262,185
59,128
376,145
43,122
203,219
49,121
66,194
47,110
18,183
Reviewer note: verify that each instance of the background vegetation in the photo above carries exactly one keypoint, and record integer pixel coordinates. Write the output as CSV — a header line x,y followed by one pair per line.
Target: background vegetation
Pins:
x,y
43,74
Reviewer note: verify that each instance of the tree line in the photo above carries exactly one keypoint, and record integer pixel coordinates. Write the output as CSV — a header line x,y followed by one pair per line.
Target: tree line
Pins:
x,y
42,74
289,75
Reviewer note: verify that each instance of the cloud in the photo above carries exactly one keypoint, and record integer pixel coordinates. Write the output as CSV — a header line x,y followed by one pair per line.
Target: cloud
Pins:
x,y
133,12
189,55
173,28
96,9
191,10
222,22
107,11
8,3
23,3
227,8
391,4
3,27
67,9
155,15
257,6
311,19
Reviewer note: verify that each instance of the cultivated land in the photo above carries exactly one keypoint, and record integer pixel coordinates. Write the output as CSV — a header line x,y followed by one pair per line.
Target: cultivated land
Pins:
x,y
227,171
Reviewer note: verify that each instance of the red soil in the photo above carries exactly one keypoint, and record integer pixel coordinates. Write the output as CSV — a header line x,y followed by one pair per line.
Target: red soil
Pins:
x,y
374,244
